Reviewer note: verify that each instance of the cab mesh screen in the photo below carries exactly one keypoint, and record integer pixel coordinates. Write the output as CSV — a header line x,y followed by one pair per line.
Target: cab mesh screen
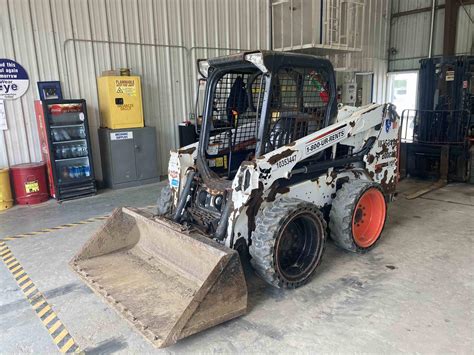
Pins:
x,y
236,112
299,100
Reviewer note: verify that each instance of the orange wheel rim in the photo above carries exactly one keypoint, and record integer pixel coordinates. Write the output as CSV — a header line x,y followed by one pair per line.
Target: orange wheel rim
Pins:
x,y
368,218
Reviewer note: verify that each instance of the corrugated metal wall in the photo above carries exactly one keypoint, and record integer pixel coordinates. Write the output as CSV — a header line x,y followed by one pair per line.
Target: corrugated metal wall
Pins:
x,y
410,34
75,40
374,55
465,35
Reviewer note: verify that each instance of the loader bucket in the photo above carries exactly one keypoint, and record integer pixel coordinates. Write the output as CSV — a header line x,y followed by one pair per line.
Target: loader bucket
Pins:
x,y
167,282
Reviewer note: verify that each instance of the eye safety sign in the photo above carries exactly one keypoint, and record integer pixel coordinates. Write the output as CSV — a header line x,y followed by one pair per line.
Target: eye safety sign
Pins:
x,y
14,80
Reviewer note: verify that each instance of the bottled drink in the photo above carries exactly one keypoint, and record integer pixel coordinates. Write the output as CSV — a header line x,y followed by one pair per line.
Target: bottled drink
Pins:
x,y
77,172
64,152
65,135
82,132
56,135
71,172
74,151
87,170
58,153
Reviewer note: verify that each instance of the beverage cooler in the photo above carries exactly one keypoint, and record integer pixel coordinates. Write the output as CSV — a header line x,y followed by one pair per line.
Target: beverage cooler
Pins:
x,y
65,146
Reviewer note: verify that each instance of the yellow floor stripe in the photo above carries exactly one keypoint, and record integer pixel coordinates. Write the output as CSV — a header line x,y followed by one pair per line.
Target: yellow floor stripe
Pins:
x,y
35,306
60,336
67,345
22,279
16,268
30,291
38,302
49,318
54,327
26,284
12,263
52,229
44,310
18,273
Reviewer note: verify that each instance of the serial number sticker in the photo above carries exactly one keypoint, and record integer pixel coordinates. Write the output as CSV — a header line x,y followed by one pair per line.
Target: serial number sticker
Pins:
x,y
329,138
286,161
32,186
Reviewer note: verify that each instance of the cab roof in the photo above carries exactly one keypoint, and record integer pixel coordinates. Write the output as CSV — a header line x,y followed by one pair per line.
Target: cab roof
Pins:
x,y
272,60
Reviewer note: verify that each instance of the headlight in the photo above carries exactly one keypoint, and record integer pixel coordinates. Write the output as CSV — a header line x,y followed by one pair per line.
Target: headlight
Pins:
x,y
203,67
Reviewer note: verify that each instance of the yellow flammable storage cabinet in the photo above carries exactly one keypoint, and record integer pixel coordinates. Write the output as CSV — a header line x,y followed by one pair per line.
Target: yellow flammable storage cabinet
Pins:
x,y
120,102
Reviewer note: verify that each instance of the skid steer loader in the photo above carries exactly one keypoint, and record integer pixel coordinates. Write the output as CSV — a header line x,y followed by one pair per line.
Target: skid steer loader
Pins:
x,y
277,168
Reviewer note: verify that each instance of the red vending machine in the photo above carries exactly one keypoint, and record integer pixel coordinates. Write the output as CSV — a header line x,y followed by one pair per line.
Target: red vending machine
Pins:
x,y
65,146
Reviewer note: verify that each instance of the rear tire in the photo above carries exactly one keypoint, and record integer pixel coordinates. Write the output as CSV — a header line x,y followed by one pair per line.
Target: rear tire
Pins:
x,y
165,201
357,215
288,242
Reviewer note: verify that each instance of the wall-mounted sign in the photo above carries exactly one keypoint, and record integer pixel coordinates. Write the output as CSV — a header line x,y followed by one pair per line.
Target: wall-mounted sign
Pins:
x,y
14,80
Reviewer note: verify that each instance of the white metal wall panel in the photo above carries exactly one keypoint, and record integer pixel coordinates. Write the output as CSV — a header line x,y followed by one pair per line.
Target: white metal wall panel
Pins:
x,y
74,41
465,34
410,34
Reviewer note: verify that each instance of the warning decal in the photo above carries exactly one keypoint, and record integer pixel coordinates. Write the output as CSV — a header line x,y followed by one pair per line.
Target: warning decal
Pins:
x,y
32,186
126,86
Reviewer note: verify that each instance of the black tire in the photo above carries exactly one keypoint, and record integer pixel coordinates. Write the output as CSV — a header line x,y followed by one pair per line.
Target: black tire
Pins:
x,y
275,251
165,201
342,214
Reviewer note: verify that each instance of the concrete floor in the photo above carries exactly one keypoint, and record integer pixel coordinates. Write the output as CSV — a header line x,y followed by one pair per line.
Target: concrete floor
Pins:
x,y
412,293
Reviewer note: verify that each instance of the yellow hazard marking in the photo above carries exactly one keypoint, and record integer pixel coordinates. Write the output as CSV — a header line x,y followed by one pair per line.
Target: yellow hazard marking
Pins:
x,y
38,302
35,306
30,291
49,318
67,345
44,310
16,268
19,273
55,327
12,263
26,284
60,336
22,279
52,229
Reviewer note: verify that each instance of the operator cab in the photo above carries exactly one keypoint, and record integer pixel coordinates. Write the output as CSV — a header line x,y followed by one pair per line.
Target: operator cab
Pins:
x,y
294,95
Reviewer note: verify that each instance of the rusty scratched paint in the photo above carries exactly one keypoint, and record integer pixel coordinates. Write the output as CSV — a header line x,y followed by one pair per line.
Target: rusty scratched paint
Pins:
x,y
187,151
254,203
276,189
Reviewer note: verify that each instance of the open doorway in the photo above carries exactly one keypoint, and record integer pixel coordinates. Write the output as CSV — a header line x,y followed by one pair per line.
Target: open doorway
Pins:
x,y
402,90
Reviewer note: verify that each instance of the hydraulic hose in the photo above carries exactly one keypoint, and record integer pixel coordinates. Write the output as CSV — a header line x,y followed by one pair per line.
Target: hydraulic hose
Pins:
x,y
184,196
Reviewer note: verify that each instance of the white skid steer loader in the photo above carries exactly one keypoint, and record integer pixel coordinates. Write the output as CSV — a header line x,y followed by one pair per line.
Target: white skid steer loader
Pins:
x,y
277,168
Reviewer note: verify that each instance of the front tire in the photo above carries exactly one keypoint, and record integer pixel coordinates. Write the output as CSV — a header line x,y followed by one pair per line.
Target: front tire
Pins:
x,y
288,242
164,203
357,215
